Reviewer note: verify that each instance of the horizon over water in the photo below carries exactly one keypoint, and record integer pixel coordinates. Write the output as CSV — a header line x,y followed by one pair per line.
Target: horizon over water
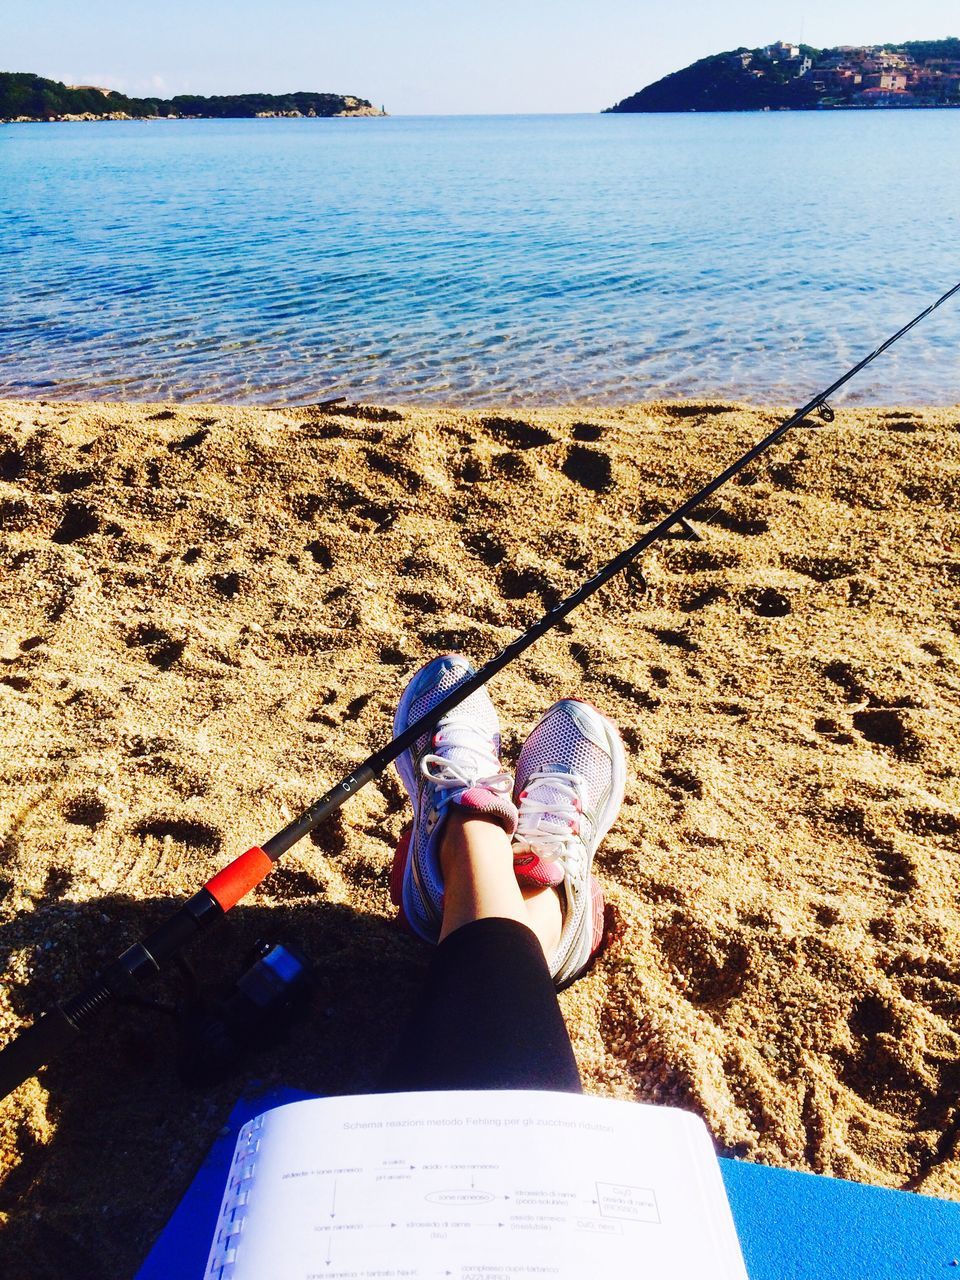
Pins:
x,y
481,260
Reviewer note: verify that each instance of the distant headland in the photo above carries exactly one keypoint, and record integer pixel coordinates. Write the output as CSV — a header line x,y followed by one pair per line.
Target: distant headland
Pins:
x,y
798,77
25,97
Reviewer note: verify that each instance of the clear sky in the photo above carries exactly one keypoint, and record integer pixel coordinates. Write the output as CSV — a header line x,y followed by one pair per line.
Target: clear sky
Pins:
x,y
428,56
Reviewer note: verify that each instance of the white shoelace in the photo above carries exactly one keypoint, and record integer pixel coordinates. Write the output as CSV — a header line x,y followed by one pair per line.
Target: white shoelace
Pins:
x,y
475,765
544,825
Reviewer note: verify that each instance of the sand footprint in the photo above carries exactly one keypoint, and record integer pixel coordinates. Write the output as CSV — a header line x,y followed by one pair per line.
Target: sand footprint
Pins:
x,y
711,966
321,552
12,460
161,649
931,822
191,441
589,468
885,727
765,602
386,464
747,526
486,548
692,602
821,568
516,583
700,560
85,810
185,832
227,584
79,520
71,481
881,866
517,434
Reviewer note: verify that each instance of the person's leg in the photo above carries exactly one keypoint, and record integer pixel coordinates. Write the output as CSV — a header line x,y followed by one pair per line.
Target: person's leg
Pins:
x,y
512,923
476,859
488,1017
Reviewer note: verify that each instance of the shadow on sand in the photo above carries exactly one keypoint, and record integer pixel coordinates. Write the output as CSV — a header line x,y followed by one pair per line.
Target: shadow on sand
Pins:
x,y
112,1139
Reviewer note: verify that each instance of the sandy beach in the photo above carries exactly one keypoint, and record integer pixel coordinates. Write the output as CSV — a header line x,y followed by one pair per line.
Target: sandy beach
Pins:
x,y
208,614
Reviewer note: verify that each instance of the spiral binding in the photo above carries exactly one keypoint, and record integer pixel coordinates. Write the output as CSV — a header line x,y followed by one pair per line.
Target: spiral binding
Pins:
x,y
233,1210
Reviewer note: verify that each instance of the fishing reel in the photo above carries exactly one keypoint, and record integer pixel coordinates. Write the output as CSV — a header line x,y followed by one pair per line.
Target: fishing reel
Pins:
x,y
220,1028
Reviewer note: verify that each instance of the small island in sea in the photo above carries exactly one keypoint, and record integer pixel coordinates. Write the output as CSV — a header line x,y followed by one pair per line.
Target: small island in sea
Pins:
x,y
26,98
798,77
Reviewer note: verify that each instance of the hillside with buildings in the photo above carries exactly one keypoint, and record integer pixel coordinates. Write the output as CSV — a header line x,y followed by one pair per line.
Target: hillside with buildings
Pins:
x,y
785,76
27,97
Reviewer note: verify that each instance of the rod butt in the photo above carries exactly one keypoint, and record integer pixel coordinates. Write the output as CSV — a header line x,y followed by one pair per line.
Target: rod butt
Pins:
x,y
34,1048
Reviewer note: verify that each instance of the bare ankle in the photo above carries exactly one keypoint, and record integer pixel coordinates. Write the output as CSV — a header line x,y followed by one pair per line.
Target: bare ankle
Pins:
x,y
476,860
545,917
466,835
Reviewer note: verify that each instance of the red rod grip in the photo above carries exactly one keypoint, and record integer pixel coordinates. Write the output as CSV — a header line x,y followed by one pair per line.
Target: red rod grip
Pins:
x,y
235,881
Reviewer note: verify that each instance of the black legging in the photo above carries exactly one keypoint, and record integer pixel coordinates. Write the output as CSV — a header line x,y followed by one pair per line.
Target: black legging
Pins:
x,y
488,1018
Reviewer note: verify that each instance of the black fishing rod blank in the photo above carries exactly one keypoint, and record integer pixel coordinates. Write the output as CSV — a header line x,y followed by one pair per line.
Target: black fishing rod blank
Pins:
x,y
143,961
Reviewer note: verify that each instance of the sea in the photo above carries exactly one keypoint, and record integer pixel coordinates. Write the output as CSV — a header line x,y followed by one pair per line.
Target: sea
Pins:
x,y
481,260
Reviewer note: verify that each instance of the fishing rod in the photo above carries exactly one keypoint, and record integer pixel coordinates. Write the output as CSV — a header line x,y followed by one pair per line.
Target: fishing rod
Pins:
x,y
143,961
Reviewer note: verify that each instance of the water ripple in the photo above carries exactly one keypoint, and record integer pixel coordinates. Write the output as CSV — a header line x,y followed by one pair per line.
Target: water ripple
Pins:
x,y
527,259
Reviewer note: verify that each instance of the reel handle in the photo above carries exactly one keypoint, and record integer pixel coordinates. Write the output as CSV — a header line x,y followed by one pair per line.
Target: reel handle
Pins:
x,y
34,1048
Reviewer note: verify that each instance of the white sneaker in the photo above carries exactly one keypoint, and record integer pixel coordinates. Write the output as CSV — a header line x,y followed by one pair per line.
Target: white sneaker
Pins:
x,y
459,764
571,777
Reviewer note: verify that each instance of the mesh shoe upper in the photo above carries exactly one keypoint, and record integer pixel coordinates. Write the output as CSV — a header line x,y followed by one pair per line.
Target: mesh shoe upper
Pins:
x,y
459,763
570,782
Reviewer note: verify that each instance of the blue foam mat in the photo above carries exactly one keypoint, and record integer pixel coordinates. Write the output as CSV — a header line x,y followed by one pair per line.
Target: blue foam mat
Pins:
x,y
802,1226
792,1226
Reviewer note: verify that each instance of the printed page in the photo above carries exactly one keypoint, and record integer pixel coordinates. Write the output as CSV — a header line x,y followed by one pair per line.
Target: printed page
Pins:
x,y
477,1186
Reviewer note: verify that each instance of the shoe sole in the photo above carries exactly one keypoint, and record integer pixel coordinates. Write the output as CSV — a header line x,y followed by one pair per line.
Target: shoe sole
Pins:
x,y
397,871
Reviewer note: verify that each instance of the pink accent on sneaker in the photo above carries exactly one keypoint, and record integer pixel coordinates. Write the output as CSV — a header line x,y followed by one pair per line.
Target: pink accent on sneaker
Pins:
x,y
534,873
481,802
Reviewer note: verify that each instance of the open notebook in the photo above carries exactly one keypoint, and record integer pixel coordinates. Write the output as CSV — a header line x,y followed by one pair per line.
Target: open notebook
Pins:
x,y
496,1185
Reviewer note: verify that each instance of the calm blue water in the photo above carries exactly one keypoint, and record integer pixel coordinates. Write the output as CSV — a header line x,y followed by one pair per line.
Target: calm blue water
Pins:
x,y
480,259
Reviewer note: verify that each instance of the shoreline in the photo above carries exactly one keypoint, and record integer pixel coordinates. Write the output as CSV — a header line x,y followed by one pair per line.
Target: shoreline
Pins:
x,y
88,117
207,613
376,113
332,406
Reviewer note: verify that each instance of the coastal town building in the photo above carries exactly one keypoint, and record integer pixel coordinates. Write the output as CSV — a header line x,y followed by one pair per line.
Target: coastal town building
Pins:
x,y
786,57
891,81
862,75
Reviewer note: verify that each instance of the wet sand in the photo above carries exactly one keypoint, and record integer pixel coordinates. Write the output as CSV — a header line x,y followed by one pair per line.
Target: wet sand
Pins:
x,y
207,617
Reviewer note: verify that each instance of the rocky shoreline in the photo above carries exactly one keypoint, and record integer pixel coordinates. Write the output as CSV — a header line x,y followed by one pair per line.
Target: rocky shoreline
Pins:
x,y
85,116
